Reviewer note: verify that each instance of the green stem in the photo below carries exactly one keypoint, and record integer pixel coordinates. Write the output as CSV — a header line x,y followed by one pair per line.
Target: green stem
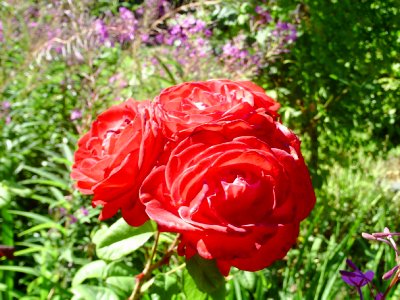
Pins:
x,y
150,267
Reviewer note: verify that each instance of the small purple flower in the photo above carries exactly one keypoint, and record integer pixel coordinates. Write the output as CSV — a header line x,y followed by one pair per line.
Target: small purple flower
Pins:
x,y
33,24
62,211
101,30
126,14
72,219
84,211
159,38
154,61
1,32
6,105
264,15
282,26
145,37
140,11
259,9
76,114
188,22
379,296
356,278
208,32
175,30
390,273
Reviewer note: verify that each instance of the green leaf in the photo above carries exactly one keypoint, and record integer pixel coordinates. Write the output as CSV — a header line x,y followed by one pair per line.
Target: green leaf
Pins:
x,y
47,175
119,269
206,276
121,239
46,182
87,292
94,269
3,287
5,196
20,269
190,288
122,284
31,215
39,227
247,280
165,287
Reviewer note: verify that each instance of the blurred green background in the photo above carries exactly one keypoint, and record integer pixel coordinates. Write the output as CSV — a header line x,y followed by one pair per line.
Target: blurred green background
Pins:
x,y
333,65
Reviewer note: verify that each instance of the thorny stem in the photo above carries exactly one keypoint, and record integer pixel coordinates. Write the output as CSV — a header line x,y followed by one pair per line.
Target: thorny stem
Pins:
x,y
150,267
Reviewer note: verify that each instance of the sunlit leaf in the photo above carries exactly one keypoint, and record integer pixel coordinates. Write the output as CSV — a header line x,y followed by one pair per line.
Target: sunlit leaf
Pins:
x,y
120,239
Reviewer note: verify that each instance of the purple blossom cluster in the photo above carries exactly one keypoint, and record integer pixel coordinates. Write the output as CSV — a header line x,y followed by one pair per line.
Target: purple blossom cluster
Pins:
x,y
165,31
235,55
188,39
263,16
76,114
358,279
286,32
72,218
1,32
130,25
5,111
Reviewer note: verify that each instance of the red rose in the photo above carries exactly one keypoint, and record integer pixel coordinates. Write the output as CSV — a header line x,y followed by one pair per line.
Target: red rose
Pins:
x,y
113,159
236,191
183,107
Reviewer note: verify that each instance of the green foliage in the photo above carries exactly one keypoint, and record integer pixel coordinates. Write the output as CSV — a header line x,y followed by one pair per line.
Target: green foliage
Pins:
x,y
339,86
121,239
339,78
203,280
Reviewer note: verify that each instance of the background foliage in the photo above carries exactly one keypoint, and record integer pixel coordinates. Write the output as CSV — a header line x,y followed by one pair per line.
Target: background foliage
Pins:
x,y
332,64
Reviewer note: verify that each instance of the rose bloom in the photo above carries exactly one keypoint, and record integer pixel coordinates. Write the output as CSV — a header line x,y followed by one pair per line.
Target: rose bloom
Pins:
x,y
113,159
236,191
183,107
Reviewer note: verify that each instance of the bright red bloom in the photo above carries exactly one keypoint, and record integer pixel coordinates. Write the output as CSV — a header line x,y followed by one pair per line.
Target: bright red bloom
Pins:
x,y
113,159
183,107
235,190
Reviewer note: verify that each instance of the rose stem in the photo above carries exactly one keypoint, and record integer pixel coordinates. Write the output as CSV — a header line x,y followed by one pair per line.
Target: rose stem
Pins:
x,y
149,268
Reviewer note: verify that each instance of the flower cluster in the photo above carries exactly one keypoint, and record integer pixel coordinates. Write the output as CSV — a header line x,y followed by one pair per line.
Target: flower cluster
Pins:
x,y
209,160
358,279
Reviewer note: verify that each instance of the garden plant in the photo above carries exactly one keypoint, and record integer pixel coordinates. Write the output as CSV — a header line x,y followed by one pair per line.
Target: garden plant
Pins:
x,y
199,149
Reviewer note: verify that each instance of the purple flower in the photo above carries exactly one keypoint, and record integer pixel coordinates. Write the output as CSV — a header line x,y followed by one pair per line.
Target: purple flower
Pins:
x,y
154,61
390,273
84,211
264,14
101,30
1,32
208,32
33,24
159,38
126,14
379,296
282,26
76,114
72,219
6,105
145,37
175,30
140,11
356,278
259,9
188,22
62,211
